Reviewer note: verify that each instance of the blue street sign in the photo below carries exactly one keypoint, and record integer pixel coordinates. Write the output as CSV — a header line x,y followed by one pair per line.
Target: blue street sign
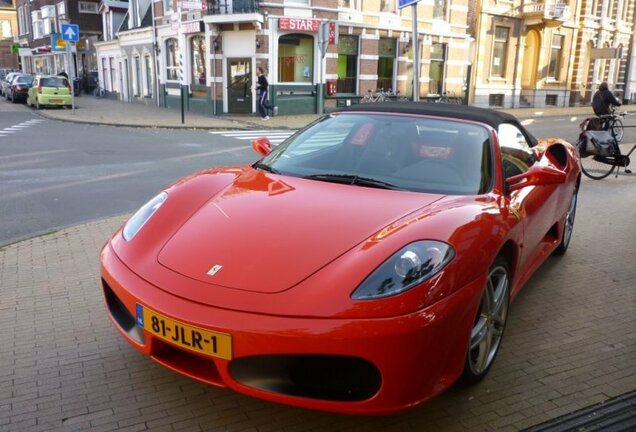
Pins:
x,y
405,3
70,32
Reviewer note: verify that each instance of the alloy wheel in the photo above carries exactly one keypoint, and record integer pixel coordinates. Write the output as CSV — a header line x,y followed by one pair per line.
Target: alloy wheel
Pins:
x,y
487,332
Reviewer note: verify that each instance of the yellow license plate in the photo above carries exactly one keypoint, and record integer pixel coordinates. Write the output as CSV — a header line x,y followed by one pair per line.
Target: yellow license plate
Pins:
x,y
56,101
195,339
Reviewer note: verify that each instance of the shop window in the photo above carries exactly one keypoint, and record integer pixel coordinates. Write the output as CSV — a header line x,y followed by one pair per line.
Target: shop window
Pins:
x,y
386,63
296,58
556,52
347,64
172,60
197,47
436,69
499,52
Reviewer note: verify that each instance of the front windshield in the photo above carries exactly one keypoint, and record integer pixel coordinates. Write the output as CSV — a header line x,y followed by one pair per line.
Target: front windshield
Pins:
x,y
401,152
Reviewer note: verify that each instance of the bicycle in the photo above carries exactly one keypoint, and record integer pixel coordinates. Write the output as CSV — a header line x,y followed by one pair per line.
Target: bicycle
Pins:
x,y
599,150
374,96
613,121
444,98
99,92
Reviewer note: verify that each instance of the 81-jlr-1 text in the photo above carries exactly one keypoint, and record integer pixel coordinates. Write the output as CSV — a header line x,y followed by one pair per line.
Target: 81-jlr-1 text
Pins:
x,y
187,337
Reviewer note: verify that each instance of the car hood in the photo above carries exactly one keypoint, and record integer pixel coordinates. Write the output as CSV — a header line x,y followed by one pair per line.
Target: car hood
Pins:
x,y
266,233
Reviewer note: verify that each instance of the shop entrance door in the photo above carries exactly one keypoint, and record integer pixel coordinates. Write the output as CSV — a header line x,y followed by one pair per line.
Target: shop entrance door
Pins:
x,y
239,89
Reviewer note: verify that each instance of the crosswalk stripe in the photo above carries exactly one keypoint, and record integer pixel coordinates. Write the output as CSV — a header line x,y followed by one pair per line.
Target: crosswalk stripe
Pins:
x,y
275,136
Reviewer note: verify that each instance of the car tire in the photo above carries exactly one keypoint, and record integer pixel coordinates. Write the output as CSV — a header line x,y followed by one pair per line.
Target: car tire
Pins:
x,y
568,225
490,322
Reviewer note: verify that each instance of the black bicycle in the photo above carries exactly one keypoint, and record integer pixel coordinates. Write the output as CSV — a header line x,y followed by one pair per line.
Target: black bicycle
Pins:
x,y
599,149
614,122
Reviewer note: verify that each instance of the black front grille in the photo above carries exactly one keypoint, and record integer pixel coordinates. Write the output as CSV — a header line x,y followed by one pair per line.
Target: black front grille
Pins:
x,y
326,377
117,309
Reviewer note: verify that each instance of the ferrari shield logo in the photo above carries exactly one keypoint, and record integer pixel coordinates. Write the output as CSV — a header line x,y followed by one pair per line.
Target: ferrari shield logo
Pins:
x,y
215,269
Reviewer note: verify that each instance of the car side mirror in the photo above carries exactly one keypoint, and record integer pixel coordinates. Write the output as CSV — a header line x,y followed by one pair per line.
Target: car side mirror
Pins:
x,y
537,175
262,146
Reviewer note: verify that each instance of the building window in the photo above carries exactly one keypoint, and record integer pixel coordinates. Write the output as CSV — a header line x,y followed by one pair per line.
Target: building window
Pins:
x,y
436,69
386,63
440,11
172,60
61,10
87,7
137,82
5,29
149,85
197,47
38,25
22,22
112,74
496,100
551,100
556,52
104,73
347,64
499,52
296,58
48,19
387,6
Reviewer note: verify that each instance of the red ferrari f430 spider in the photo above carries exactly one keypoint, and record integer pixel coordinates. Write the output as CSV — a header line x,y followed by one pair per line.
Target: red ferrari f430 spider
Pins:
x,y
361,266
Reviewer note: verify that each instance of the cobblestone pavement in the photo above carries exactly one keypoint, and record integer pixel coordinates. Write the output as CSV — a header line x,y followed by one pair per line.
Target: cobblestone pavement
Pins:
x,y
570,342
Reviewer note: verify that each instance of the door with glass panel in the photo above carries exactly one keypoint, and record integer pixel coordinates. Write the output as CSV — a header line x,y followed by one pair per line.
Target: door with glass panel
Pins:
x,y
239,87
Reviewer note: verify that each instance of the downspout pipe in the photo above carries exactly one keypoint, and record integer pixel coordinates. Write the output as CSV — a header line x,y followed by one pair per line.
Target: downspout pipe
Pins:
x,y
155,49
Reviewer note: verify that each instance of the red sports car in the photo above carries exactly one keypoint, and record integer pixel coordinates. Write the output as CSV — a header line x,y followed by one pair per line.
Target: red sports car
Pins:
x,y
362,266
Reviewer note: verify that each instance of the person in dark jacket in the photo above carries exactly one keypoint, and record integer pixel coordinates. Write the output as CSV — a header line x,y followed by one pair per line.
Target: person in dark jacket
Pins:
x,y
261,92
603,100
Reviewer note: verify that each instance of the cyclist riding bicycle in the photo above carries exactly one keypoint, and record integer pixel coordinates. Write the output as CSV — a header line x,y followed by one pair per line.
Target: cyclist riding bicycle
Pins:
x,y
603,101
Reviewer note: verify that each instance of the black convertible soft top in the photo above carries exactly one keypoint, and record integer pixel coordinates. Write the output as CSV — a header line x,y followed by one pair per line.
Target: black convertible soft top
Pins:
x,y
482,115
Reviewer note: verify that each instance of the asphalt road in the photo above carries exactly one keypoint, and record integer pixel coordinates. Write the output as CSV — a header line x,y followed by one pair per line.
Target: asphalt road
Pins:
x,y
55,174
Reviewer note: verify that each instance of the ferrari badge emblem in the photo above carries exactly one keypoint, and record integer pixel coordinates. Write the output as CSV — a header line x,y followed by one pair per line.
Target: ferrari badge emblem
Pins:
x,y
215,269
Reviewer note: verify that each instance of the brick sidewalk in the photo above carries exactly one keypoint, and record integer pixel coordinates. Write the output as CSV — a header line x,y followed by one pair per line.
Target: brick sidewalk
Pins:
x,y
570,342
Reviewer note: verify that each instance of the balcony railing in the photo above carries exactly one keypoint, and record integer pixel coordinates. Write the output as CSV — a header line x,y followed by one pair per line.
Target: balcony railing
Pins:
x,y
225,7
546,11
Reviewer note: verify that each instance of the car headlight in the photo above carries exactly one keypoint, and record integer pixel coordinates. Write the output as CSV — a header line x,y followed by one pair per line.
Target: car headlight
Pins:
x,y
409,267
138,220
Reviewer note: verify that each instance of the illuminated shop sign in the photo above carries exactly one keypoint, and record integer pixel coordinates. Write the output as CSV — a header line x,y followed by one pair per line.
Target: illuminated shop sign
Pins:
x,y
302,24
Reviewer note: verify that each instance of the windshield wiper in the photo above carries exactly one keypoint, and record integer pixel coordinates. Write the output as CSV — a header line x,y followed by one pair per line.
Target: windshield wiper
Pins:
x,y
353,180
265,167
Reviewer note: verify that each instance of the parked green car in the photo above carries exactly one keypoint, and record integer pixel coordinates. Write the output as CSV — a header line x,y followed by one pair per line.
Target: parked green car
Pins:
x,y
49,90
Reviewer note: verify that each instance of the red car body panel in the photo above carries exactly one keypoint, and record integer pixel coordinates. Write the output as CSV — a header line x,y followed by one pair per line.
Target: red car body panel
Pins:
x,y
293,251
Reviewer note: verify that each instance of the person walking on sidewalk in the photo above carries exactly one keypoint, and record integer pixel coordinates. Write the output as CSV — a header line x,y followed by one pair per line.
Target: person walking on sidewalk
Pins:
x,y
261,91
